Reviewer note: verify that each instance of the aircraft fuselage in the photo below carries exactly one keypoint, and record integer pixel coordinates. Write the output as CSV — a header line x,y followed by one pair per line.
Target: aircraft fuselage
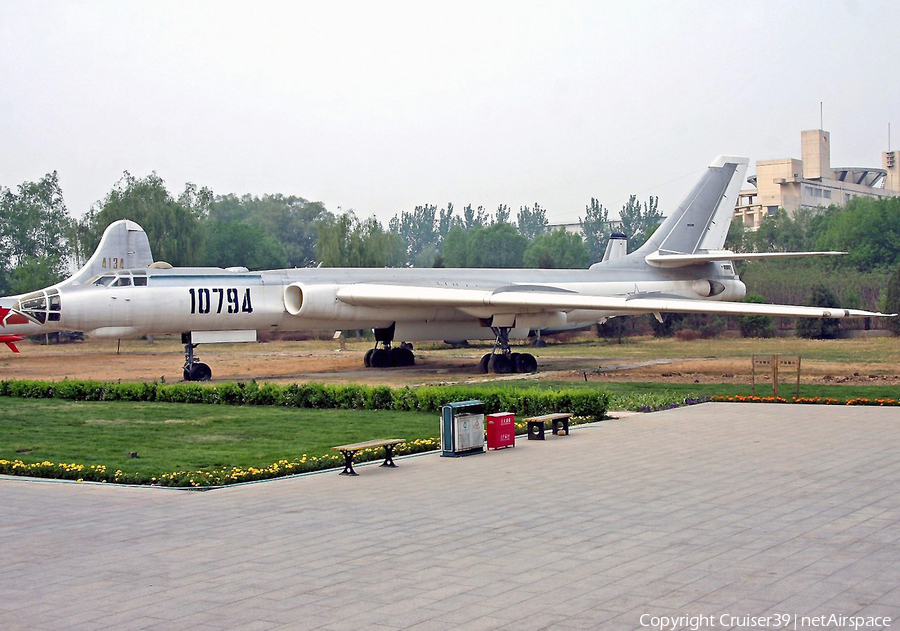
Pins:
x,y
149,301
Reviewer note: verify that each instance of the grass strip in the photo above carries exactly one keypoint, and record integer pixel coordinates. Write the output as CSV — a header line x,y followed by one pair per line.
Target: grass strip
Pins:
x,y
192,445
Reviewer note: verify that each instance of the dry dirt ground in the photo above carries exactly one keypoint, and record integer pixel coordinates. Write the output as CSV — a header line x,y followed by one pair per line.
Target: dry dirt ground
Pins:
x,y
288,362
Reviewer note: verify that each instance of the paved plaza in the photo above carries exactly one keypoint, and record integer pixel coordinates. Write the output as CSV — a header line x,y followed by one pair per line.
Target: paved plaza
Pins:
x,y
733,512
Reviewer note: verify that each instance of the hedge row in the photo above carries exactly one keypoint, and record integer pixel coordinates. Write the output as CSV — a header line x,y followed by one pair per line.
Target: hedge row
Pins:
x,y
525,402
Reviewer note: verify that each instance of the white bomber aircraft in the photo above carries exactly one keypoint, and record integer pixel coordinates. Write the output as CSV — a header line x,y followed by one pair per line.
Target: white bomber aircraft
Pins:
x,y
681,268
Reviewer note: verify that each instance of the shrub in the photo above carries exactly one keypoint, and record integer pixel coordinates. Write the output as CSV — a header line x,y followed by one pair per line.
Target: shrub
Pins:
x,y
230,394
523,402
30,389
756,325
379,398
820,328
892,301
184,393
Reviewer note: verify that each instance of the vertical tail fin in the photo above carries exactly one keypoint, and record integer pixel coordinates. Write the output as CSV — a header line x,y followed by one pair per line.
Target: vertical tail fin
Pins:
x,y
124,245
701,221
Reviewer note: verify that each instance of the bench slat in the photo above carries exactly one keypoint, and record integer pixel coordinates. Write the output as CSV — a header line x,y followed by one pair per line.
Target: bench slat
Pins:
x,y
370,443
549,417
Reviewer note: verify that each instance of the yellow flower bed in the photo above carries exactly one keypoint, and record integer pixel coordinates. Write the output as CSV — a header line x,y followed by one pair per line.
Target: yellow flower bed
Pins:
x,y
203,479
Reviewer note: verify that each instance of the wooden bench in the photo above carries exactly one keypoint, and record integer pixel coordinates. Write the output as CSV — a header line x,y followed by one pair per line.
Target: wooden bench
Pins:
x,y
350,450
558,421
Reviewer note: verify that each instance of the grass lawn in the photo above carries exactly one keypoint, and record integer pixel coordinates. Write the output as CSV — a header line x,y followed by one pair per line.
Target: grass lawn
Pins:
x,y
174,437
171,437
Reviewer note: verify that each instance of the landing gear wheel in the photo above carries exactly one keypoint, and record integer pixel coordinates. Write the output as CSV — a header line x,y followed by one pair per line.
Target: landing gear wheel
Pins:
x,y
367,360
380,358
193,370
402,357
199,372
525,362
500,364
483,364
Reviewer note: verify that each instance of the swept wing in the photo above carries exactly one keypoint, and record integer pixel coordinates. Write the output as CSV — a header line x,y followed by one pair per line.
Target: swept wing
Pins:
x,y
508,299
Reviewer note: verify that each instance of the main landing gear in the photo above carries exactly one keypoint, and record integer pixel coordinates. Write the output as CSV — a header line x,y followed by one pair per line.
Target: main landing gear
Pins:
x,y
502,361
194,369
383,356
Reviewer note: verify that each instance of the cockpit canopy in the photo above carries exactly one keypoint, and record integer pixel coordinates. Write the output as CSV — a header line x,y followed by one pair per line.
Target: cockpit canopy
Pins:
x,y
138,278
41,306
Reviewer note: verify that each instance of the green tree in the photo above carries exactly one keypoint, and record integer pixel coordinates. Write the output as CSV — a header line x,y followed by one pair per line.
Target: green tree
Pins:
x,y
869,229
892,301
197,200
446,221
34,227
31,274
736,238
778,233
234,243
497,245
559,249
173,230
344,241
639,220
532,221
456,247
293,221
474,218
596,229
419,231
502,215
820,328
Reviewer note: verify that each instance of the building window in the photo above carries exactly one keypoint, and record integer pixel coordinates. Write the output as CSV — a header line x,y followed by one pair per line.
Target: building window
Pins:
x,y
826,194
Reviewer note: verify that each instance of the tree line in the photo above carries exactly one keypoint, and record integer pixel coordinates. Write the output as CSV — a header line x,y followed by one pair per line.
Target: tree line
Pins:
x,y
40,241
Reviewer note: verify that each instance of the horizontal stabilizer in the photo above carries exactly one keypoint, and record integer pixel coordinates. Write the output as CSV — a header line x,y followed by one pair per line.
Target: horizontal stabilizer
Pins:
x,y
10,341
660,259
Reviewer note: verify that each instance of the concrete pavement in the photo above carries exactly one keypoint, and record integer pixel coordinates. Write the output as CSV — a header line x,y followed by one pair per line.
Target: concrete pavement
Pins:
x,y
719,510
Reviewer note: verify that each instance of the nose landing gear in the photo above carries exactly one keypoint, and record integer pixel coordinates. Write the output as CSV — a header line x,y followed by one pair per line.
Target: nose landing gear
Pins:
x,y
194,369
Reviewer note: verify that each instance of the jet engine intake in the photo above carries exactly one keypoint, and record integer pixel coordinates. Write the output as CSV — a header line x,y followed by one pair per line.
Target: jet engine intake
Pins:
x,y
311,301
705,287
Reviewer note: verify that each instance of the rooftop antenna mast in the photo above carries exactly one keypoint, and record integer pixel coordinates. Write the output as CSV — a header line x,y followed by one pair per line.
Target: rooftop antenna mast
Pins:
x,y
821,116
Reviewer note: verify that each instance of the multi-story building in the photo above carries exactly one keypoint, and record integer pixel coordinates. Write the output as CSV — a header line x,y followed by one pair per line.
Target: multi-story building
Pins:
x,y
811,182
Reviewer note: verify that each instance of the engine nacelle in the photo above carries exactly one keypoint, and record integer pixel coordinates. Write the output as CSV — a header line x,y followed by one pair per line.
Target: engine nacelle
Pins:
x,y
706,288
723,289
313,301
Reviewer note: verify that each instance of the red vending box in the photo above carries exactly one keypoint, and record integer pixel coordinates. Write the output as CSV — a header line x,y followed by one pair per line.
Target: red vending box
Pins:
x,y
501,430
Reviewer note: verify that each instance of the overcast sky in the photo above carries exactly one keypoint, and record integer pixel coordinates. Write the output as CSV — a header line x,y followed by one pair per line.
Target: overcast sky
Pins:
x,y
382,106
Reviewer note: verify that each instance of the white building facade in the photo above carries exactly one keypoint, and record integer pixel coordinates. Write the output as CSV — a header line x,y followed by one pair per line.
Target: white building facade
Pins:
x,y
812,182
